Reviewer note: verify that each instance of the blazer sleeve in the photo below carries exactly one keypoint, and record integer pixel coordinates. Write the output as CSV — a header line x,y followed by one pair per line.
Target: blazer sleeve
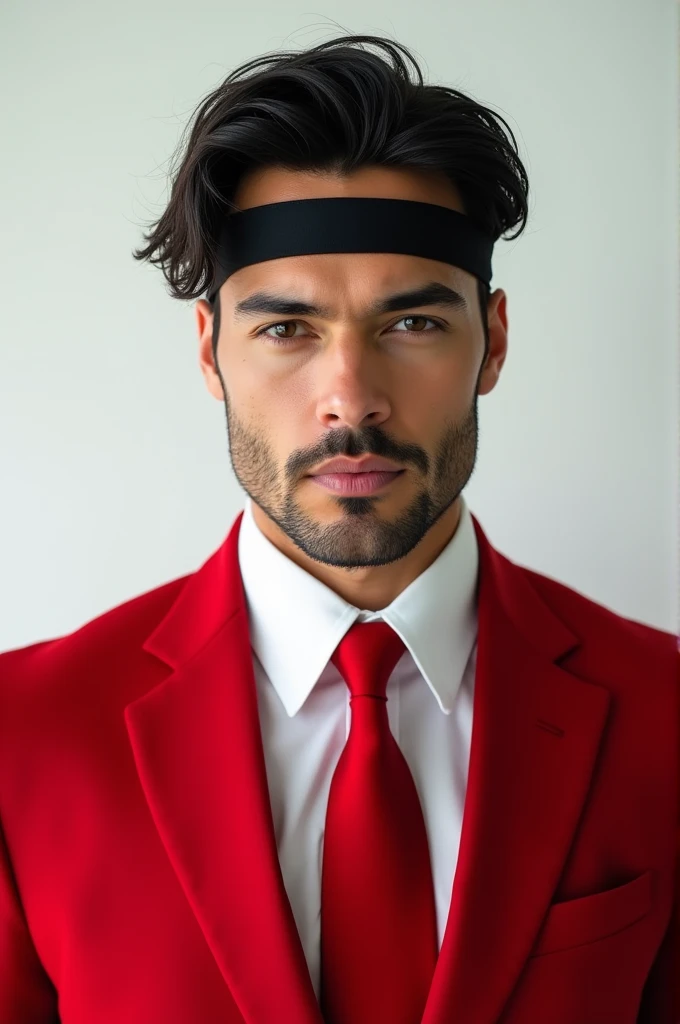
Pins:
x,y
27,996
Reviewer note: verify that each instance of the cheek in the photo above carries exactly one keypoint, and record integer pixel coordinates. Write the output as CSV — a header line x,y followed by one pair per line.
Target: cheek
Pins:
x,y
440,388
254,393
276,404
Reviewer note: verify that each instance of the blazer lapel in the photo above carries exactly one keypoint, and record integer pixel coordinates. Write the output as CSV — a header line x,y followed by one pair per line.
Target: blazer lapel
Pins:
x,y
536,734
198,749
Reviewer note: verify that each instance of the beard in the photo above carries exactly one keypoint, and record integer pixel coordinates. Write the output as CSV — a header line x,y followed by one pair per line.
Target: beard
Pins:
x,y
362,535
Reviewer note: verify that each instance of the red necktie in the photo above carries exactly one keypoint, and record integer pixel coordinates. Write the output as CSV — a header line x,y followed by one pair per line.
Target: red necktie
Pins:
x,y
378,923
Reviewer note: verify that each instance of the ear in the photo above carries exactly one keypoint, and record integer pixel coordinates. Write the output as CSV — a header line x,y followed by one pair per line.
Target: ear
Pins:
x,y
204,324
498,341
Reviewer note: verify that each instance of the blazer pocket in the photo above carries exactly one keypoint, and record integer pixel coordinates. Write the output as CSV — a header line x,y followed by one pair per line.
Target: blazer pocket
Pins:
x,y
589,918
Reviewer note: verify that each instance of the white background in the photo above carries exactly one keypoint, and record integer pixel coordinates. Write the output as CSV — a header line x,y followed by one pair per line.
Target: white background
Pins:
x,y
114,465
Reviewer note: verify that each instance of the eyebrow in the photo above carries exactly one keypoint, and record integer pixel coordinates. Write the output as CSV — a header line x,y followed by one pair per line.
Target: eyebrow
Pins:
x,y
432,294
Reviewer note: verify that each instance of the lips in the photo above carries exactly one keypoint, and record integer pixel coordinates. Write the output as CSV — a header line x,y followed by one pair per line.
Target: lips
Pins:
x,y
369,464
349,484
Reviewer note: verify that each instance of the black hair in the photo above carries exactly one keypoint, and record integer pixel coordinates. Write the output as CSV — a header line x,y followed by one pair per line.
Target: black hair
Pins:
x,y
332,108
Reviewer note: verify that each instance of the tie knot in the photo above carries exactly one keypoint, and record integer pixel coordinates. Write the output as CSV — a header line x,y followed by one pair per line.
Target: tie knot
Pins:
x,y
366,657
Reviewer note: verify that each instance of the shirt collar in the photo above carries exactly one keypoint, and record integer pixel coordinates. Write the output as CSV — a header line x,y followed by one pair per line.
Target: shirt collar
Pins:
x,y
296,621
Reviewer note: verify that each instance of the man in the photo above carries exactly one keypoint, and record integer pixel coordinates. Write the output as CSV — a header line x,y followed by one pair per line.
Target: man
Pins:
x,y
360,766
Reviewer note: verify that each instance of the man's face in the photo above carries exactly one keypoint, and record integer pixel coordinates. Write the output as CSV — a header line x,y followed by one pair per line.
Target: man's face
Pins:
x,y
300,390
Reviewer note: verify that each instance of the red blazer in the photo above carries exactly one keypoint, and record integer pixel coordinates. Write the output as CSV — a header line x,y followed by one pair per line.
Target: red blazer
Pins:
x,y
139,876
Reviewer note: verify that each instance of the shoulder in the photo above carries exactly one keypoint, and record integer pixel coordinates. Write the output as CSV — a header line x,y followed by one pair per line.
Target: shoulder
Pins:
x,y
606,629
113,636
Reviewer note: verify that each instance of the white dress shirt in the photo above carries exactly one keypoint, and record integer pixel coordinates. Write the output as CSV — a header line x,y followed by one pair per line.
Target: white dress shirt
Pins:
x,y
296,622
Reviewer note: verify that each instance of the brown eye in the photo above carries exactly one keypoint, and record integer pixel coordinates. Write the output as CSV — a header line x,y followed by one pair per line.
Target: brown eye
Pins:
x,y
282,323
412,318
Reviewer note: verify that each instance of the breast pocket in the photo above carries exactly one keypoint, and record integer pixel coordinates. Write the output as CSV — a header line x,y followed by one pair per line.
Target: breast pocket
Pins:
x,y
589,918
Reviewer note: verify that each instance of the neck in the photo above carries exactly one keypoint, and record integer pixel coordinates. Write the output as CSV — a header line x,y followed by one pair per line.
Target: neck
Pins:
x,y
372,587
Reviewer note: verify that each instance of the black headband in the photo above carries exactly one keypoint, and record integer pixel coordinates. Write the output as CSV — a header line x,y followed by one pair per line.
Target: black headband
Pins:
x,y
348,224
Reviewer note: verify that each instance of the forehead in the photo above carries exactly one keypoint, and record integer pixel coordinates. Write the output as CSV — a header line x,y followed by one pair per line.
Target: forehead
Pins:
x,y
278,184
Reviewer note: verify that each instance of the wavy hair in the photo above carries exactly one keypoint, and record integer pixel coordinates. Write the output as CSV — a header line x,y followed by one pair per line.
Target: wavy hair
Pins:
x,y
332,108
